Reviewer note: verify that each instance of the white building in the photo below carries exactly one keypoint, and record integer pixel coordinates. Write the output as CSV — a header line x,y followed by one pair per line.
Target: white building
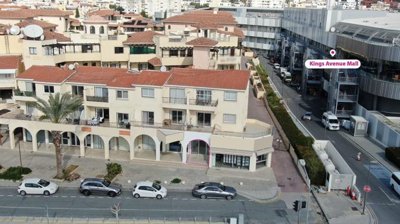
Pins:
x,y
272,4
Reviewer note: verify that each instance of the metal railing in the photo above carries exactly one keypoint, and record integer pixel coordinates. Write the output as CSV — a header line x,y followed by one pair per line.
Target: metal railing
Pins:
x,y
24,93
201,102
173,100
97,98
348,79
347,97
244,134
344,112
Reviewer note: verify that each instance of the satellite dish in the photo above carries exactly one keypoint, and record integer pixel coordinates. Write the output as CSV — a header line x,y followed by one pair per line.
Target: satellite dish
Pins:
x,y
42,37
33,31
15,30
333,29
21,36
71,66
163,68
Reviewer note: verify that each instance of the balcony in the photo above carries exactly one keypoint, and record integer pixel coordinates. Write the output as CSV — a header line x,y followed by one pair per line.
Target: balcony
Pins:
x,y
24,96
201,102
344,113
348,80
376,86
103,99
347,98
173,100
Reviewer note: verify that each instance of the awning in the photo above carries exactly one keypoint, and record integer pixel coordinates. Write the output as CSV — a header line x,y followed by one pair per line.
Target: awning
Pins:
x,y
231,151
264,151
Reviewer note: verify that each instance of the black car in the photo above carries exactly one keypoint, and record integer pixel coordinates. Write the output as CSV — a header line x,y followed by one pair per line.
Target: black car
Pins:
x,y
99,186
213,190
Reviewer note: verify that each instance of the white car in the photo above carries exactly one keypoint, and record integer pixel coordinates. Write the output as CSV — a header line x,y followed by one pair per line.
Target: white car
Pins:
x,y
148,189
37,186
276,66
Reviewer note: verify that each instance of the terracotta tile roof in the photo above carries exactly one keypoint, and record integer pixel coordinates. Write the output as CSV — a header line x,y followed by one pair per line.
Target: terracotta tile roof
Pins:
x,y
15,14
74,22
95,19
202,41
203,16
49,74
104,13
51,35
145,37
222,79
150,78
155,61
13,7
48,12
10,61
236,32
43,24
96,75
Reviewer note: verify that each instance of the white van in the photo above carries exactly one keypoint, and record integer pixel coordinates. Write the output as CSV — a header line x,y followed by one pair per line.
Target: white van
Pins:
x,y
395,182
287,77
330,121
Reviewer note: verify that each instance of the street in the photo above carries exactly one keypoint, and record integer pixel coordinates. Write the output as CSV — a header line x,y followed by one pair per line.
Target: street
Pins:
x,y
68,202
384,201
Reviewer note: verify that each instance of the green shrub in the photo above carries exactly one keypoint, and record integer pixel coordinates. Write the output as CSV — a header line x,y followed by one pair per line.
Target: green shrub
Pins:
x,y
393,155
302,144
14,173
113,169
176,181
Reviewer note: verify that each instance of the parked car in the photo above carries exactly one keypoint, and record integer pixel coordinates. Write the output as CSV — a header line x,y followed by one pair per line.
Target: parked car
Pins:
x,y
276,66
306,116
37,186
99,186
213,190
330,121
149,189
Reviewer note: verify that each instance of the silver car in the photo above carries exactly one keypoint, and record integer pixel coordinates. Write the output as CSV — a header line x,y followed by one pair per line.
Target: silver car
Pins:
x,y
99,186
213,190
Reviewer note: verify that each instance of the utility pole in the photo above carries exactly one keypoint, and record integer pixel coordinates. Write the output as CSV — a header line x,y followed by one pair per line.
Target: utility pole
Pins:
x,y
20,157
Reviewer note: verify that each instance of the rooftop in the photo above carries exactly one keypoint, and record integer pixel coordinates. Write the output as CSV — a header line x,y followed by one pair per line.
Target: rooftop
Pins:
x,y
204,17
202,42
10,62
43,24
46,74
145,38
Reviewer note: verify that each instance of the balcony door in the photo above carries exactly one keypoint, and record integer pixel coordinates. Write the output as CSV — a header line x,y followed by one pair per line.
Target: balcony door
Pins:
x,y
177,95
204,119
203,96
101,92
177,117
148,117
103,112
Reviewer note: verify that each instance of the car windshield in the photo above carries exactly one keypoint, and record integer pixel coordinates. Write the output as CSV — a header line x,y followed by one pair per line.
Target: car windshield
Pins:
x,y
157,186
43,183
106,183
333,121
308,113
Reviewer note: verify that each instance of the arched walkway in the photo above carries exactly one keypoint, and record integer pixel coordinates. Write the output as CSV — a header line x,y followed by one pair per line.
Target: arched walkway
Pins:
x,y
171,151
119,148
94,147
24,137
198,151
145,147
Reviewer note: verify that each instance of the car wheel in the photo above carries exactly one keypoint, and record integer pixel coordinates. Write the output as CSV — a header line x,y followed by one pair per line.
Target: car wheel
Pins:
x,y
86,192
229,197
112,194
159,196
46,193
23,193
203,196
136,196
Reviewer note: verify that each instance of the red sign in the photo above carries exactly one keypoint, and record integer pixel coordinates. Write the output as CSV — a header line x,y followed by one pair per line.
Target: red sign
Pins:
x,y
367,188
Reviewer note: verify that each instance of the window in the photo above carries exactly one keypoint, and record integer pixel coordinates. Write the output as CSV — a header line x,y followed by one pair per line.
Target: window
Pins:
x,y
230,96
182,53
173,52
203,119
177,117
190,52
32,51
77,90
122,94
203,97
118,50
102,30
148,117
92,30
142,50
123,118
148,92
229,118
169,27
49,89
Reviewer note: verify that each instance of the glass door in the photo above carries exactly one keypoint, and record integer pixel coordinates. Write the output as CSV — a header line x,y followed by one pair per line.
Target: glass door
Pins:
x,y
148,117
203,119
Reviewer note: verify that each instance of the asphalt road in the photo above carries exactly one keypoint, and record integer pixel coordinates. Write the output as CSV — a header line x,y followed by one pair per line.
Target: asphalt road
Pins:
x,y
69,202
383,200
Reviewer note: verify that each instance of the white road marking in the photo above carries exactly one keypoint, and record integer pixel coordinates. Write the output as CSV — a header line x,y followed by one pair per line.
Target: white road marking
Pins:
x,y
73,196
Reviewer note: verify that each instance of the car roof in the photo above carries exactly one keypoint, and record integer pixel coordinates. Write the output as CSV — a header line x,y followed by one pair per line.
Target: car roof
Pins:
x,y
211,184
308,112
31,180
397,174
92,179
144,183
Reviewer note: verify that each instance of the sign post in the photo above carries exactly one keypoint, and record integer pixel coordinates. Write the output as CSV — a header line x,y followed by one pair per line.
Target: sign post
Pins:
x,y
366,189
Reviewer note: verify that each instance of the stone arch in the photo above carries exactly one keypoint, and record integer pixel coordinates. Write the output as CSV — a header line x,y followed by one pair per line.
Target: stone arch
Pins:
x,y
119,143
94,141
145,146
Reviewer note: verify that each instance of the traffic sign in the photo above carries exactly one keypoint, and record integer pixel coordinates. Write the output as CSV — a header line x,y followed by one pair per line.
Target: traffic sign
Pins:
x,y
367,188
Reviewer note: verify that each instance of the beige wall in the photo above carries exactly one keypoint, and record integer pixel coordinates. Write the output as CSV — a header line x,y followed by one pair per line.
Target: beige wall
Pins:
x,y
61,22
10,44
201,57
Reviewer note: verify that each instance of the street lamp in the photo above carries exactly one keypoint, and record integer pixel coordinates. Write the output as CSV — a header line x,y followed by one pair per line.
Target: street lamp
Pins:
x,y
303,165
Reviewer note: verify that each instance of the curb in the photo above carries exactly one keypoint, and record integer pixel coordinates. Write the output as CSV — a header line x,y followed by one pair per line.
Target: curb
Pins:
x,y
268,200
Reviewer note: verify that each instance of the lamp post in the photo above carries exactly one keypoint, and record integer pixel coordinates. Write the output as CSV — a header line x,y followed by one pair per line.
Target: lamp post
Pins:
x,y
20,157
303,165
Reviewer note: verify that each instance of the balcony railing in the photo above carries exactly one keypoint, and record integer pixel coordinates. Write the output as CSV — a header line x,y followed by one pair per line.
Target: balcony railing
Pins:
x,y
344,112
97,98
348,97
24,93
244,134
348,79
201,102
173,100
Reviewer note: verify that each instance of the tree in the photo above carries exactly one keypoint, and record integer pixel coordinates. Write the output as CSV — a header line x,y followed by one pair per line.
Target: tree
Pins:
x,y
77,13
57,109
144,14
119,9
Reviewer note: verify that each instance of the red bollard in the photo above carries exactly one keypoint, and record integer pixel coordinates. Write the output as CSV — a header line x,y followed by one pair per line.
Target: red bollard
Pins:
x,y
353,195
348,190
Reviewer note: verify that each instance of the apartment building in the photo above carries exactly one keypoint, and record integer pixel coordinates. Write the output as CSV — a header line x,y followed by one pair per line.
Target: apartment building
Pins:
x,y
10,67
261,27
270,4
183,115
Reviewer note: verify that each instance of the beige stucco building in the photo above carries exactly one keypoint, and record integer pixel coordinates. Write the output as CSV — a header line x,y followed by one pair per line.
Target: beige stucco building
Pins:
x,y
187,115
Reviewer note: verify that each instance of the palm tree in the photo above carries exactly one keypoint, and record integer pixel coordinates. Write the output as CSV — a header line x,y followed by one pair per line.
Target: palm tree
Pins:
x,y
57,109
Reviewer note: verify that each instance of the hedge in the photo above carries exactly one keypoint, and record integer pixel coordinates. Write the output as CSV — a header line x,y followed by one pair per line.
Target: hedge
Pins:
x,y
302,144
393,155
15,173
113,169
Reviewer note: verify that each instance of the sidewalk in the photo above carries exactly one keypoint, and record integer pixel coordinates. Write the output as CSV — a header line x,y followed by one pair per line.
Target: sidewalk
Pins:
x,y
372,149
259,185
